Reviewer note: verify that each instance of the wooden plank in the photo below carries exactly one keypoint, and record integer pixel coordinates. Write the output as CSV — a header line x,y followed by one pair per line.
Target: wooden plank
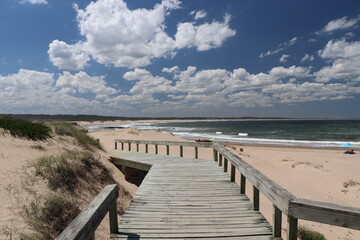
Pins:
x,y
328,213
84,225
182,198
134,237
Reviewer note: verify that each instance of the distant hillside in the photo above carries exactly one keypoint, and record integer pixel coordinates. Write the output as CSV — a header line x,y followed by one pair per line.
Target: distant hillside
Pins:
x,y
91,118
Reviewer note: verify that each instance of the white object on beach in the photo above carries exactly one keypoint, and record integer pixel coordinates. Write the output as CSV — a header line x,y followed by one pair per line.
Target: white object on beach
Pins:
x,y
218,132
242,134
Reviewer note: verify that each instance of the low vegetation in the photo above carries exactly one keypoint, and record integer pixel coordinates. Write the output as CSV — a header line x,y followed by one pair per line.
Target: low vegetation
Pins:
x,y
25,129
307,234
73,178
49,216
69,170
66,129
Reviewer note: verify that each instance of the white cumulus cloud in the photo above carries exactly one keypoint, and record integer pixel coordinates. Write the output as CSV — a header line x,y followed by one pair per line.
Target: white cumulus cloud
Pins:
x,y
115,35
65,56
204,36
284,58
340,23
345,59
35,1
199,14
282,47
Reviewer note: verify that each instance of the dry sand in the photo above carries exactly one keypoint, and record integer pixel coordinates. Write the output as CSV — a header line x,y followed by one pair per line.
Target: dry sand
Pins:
x,y
15,156
317,174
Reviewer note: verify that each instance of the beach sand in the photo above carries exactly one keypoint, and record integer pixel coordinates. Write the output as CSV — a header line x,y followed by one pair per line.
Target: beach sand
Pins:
x,y
16,155
317,174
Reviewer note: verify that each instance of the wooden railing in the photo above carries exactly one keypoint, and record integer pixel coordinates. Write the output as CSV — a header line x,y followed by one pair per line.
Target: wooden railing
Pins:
x,y
283,201
181,145
84,225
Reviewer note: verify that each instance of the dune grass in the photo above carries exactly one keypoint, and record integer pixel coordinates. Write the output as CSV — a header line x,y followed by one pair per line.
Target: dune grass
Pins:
x,y
50,216
66,129
69,169
25,129
72,177
307,234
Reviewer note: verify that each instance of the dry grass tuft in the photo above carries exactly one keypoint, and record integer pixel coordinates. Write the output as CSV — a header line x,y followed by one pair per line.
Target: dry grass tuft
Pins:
x,y
350,183
134,131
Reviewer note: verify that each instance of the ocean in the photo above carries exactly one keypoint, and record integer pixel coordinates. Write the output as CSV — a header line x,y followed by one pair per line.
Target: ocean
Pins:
x,y
309,133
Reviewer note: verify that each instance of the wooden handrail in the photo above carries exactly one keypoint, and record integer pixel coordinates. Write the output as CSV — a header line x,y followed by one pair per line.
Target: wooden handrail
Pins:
x,y
287,203
327,213
84,225
170,143
274,192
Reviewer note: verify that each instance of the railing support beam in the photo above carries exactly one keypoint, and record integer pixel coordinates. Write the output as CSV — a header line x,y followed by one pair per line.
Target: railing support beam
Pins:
x,y
292,228
256,198
232,173
242,184
277,217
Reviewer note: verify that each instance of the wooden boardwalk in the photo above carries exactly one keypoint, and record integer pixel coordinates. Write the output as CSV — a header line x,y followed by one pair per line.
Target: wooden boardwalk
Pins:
x,y
184,198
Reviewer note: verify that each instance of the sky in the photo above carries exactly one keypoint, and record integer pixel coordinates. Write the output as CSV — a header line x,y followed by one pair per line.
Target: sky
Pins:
x,y
172,58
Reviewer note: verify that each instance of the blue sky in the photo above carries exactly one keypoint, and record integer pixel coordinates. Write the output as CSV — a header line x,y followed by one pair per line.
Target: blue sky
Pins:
x,y
218,58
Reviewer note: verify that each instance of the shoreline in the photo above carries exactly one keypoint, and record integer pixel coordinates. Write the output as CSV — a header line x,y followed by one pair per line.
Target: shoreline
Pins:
x,y
292,143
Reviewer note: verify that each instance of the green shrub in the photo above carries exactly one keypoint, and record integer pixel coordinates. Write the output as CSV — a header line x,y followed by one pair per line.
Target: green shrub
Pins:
x,y
49,218
307,234
67,170
25,129
66,129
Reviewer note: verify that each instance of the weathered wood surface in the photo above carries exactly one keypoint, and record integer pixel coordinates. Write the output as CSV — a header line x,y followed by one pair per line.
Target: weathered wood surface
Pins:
x,y
325,213
171,143
274,192
84,225
183,198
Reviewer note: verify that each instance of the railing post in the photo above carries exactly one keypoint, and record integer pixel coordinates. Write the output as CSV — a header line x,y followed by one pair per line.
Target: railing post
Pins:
x,y
156,149
256,198
137,147
115,145
146,148
113,219
122,146
292,228
196,152
277,215
215,153
242,183
92,237
232,173
167,150
220,160
129,146
181,151
225,165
